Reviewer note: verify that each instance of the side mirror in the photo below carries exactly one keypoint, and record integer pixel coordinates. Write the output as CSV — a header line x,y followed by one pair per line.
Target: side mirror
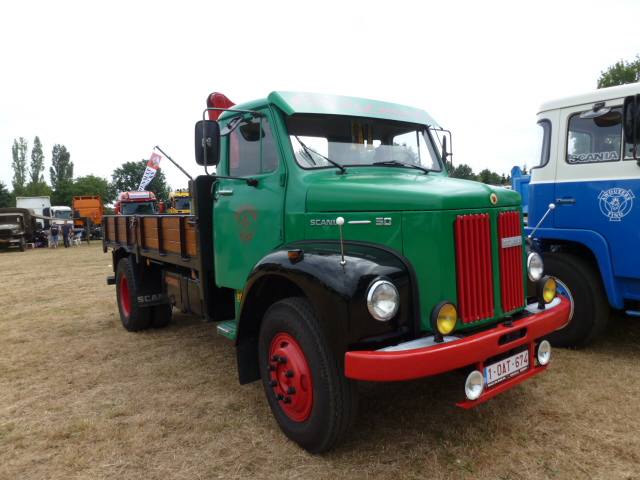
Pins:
x,y
631,120
207,143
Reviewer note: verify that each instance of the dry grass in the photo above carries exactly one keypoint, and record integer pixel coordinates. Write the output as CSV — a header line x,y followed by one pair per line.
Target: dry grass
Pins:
x,y
81,398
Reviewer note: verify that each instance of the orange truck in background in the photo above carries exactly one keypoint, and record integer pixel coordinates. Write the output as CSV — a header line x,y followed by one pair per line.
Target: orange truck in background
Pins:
x,y
87,213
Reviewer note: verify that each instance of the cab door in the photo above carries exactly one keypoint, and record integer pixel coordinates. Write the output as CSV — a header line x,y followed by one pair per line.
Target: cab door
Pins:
x,y
248,220
597,183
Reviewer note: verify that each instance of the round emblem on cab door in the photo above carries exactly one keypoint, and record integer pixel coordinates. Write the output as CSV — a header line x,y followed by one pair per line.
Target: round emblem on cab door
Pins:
x,y
494,198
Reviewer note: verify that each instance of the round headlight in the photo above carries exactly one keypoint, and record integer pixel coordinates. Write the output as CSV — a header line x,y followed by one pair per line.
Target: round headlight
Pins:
x,y
535,266
474,385
549,289
444,317
544,352
382,300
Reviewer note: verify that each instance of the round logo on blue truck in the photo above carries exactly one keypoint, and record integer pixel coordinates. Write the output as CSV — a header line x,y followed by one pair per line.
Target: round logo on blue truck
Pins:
x,y
615,203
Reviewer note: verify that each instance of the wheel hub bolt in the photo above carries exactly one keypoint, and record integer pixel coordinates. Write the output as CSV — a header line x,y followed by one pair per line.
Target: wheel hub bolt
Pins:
x,y
273,383
275,358
280,396
289,374
282,360
271,367
291,390
287,399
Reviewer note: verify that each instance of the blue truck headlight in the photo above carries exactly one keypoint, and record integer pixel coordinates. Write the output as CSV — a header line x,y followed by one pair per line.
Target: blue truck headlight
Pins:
x,y
383,300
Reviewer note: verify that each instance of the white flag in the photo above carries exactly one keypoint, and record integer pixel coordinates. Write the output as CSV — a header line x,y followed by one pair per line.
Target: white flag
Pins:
x,y
150,172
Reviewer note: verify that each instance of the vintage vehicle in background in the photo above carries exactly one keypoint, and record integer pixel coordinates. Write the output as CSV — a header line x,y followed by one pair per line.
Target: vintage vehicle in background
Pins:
x,y
582,198
17,227
40,205
331,246
87,214
136,202
179,202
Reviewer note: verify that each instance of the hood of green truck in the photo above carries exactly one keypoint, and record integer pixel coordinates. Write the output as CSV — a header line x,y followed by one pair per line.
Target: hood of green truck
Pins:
x,y
391,189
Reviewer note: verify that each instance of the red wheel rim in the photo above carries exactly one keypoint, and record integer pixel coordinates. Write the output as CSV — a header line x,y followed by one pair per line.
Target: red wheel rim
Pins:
x,y
125,301
291,378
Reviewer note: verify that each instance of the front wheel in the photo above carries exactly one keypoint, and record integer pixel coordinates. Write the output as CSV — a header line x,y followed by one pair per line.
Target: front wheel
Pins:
x,y
581,284
133,316
313,402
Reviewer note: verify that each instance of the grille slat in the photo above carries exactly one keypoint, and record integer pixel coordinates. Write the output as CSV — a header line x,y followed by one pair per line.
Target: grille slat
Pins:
x,y
512,277
474,265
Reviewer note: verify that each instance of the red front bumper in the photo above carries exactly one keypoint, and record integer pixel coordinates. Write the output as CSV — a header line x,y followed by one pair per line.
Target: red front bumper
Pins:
x,y
471,350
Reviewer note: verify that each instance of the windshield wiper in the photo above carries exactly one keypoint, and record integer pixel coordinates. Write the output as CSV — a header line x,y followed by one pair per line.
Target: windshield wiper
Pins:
x,y
309,151
403,164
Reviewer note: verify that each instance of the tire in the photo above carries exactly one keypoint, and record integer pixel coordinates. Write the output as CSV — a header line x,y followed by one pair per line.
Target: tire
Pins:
x,y
161,315
581,284
313,402
22,244
133,316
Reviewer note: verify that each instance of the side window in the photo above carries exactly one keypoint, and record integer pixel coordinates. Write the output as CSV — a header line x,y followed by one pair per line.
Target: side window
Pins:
x,y
543,144
595,140
252,149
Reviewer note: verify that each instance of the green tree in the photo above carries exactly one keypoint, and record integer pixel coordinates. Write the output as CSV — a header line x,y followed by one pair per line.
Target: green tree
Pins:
x,y
19,164
61,166
463,171
37,186
92,185
620,73
127,178
63,194
6,199
489,177
37,162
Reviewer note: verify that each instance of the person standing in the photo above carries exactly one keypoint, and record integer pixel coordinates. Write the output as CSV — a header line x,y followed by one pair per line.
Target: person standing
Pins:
x,y
53,231
66,232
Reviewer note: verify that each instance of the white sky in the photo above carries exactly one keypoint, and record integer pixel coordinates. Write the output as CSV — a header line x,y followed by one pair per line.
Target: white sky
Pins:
x,y
111,80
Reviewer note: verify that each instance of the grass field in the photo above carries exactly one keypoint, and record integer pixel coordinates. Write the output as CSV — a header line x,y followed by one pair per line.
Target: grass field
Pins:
x,y
81,398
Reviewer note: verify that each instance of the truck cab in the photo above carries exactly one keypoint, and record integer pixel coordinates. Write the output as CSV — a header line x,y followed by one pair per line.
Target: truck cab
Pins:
x,y
179,202
136,202
586,171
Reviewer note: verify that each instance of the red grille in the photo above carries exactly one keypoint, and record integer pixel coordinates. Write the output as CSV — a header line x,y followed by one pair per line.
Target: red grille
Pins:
x,y
511,275
473,267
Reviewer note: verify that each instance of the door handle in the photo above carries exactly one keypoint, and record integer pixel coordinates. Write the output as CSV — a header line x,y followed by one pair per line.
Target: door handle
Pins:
x,y
566,200
225,192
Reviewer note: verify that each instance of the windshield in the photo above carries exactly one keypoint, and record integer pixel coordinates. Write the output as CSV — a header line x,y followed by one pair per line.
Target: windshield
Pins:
x,y
11,219
182,203
138,207
63,214
319,140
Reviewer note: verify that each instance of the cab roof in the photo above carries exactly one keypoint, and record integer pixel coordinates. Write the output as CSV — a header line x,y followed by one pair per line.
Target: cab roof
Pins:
x,y
600,95
318,103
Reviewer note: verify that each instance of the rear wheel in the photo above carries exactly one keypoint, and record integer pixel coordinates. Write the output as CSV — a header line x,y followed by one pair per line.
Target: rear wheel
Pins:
x,y
133,316
313,402
581,284
23,244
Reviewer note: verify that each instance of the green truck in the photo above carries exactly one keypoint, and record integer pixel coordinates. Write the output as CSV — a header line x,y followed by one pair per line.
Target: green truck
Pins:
x,y
331,246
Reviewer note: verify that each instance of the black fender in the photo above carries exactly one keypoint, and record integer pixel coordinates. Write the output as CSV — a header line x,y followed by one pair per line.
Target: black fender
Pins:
x,y
313,269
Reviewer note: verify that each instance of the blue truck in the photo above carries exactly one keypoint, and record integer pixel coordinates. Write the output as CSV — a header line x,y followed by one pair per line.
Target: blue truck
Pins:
x,y
582,205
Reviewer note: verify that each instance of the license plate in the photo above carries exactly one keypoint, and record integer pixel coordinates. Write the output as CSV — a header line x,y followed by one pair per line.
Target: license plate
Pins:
x,y
507,368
